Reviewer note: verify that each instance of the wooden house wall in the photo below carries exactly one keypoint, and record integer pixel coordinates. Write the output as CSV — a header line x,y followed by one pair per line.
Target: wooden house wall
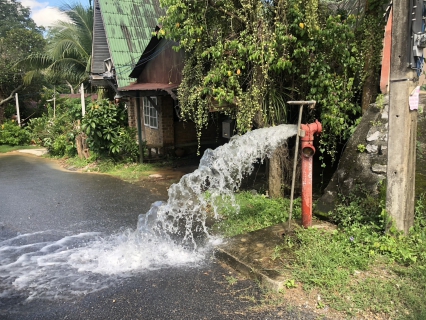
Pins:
x,y
166,67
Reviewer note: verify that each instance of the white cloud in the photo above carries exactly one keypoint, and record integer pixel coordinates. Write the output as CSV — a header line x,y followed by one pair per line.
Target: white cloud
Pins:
x,y
42,13
34,4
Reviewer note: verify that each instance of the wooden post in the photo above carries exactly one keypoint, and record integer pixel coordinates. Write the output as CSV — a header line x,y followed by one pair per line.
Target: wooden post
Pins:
x,y
83,102
139,122
17,109
54,101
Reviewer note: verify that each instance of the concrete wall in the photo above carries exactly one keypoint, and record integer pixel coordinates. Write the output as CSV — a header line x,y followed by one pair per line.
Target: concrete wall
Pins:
x,y
131,113
364,161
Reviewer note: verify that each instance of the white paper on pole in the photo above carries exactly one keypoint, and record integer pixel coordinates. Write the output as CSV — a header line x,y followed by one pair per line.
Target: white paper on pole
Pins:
x,y
414,98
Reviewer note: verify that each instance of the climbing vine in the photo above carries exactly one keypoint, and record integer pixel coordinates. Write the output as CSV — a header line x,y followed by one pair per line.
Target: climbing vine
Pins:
x,y
246,58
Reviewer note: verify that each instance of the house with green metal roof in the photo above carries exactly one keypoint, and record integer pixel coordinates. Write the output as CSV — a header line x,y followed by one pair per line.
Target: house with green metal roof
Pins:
x,y
143,69
154,104
122,30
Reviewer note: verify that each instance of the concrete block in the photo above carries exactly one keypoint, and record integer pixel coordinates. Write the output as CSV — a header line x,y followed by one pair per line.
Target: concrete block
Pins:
x,y
371,148
379,168
374,136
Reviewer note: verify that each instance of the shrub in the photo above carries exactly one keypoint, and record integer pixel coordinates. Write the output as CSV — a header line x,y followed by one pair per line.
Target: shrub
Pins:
x,y
14,135
57,132
361,207
124,145
107,132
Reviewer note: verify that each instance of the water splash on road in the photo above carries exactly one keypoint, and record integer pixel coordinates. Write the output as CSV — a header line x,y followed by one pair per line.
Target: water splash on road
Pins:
x,y
173,233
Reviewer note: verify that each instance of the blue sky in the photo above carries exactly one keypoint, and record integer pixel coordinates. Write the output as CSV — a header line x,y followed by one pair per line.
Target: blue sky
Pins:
x,y
46,12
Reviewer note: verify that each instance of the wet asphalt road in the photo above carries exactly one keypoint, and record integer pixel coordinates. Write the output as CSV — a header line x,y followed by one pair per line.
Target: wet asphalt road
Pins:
x,y
36,196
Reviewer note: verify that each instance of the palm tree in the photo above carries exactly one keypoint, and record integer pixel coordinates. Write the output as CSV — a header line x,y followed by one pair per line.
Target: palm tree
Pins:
x,y
67,56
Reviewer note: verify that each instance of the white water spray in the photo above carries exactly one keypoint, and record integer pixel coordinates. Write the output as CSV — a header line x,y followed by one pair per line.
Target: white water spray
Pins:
x,y
170,233
219,174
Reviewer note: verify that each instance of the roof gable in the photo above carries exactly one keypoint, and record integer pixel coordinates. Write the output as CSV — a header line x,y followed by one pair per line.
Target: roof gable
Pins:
x,y
100,50
128,26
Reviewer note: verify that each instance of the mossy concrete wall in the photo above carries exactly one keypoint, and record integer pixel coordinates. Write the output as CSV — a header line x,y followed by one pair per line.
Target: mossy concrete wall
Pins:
x,y
359,168
364,159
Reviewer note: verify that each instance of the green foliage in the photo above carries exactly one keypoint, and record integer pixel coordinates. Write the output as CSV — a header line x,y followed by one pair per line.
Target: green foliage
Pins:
x,y
19,37
359,208
290,284
67,56
13,15
358,267
361,148
56,130
14,135
8,148
412,289
124,144
362,212
231,280
330,262
106,128
253,212
246,58
104,123
128,172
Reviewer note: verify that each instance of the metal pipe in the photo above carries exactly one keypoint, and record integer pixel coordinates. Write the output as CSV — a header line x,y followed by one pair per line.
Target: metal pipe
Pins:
x,y
308,151
303,103
296,151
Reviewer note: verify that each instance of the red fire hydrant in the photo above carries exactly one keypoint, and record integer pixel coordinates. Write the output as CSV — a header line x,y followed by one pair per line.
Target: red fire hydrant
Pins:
x,y
308,151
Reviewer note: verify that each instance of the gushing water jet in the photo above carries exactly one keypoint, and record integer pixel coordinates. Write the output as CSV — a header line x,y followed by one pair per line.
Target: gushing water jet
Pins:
x,y
219,174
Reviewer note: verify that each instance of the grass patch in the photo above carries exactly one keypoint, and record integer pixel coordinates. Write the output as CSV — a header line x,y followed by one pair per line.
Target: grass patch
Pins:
x,y
330,263
357,269
125,171
413,290
6,148
78,162
253,212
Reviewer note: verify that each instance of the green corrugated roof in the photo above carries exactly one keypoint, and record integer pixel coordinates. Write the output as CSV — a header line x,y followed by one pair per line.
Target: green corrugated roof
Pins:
x,y
128,25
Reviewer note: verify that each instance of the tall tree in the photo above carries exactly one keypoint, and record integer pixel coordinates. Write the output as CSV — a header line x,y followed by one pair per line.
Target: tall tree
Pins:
x,y
256,54
19,38
67,56
247,57
15,16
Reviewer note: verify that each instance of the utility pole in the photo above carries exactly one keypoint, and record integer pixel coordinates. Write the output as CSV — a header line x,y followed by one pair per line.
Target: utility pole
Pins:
x,y
18,115
401,165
